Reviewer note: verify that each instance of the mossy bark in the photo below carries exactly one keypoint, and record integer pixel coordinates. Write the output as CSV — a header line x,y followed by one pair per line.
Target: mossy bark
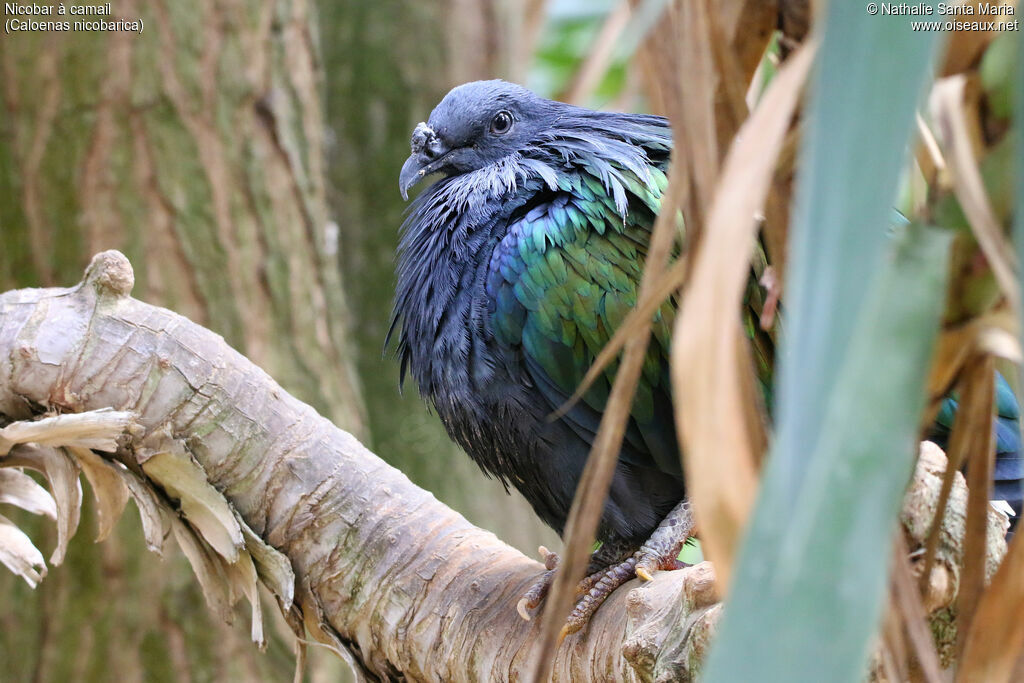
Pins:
x,y
196,148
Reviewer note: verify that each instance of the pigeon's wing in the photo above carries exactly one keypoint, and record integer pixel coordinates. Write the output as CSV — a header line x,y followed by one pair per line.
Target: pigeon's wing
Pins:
x,y
561,282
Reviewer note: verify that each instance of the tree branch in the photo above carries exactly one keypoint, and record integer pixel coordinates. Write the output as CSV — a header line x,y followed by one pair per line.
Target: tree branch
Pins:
x,y
381,567
240,472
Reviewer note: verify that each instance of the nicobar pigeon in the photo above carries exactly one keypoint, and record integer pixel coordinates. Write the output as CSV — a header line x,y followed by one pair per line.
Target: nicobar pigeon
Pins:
x,y
514,270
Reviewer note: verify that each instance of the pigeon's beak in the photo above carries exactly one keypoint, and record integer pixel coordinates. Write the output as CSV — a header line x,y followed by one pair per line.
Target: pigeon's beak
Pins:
x,y
413,171
428,156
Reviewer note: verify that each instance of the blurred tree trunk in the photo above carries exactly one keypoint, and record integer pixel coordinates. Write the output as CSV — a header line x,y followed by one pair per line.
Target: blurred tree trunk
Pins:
x,y
196,148
387,64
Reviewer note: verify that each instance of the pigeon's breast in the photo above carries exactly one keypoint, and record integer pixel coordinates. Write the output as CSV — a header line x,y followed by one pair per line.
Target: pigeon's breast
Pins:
x,y
442,304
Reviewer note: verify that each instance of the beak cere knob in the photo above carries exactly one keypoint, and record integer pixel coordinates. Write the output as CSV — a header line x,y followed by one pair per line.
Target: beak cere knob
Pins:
x,y
428,152
422,136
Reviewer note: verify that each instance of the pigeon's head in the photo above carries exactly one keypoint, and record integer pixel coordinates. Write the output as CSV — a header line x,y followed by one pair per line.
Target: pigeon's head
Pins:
x,y
475,125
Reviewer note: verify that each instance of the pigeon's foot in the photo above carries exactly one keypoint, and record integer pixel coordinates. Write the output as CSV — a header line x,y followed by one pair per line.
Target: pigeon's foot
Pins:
x,y
613,565
659,552
603,558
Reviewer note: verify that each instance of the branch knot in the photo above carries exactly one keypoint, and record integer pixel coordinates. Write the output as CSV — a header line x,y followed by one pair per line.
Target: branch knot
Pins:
x,y
110,272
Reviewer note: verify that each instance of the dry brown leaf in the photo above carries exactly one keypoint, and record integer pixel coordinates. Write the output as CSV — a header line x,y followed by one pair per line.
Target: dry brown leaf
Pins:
x,y
706,373
956,450
965,442
748,25
21,490
995,640
957,140
695,130
108,486
666,284
938,494
999,343
61,473
153,513
775,230
907,599
209,568
165,461
657,61
98,429
977,407
736,16
733,80
893,647
927,153
18,554
273,566
242,576
588,502
223,583
994,332
964,48
313,620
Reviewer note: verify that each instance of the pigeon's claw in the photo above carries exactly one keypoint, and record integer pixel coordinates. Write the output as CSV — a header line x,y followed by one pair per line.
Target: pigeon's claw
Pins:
x,y
539,590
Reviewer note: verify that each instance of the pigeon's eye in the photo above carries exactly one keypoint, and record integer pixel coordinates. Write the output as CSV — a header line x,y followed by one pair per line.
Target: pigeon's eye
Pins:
x,y
501,123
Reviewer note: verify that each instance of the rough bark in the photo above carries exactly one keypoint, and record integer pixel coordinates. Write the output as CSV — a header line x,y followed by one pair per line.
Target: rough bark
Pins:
x,y
381,568
194,147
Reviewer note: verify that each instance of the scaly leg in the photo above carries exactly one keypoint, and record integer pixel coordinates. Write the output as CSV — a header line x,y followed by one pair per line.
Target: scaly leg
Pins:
x,y
612,565
660,551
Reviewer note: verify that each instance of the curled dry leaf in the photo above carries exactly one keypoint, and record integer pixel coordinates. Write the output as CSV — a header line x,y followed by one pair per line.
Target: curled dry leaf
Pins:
x,y
108,486
977,408
97,429
995,641
957,133
209,568
993,333
313,619
61,472
226,555
21,490
165,461
19,555
242,577
155,518
273,566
